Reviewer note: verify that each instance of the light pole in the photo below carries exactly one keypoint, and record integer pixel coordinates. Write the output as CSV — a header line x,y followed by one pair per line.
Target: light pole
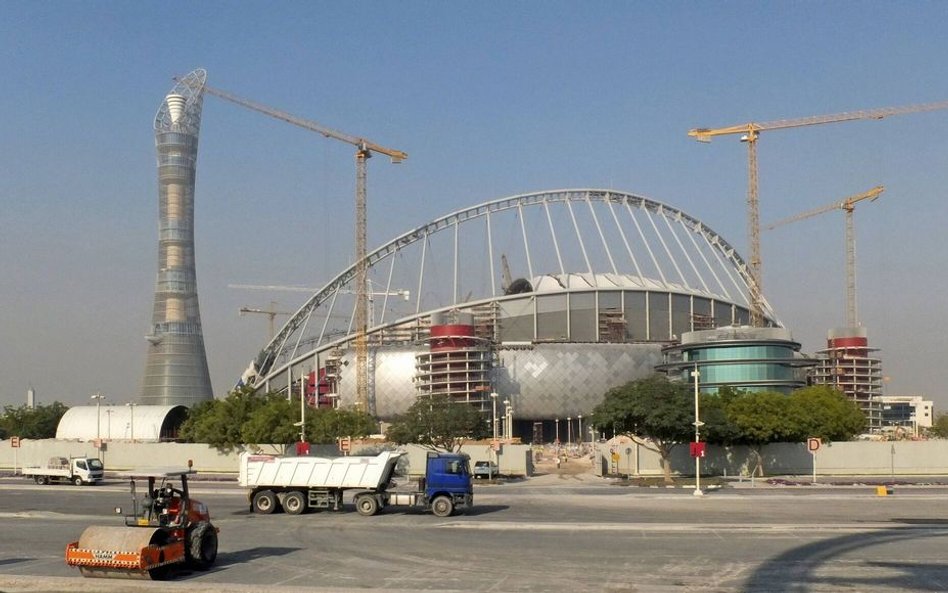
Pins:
x,y
303,408
506,414
98,397
579,430
493,443
698,423
131,420
557,436
509,419
493,398
569,431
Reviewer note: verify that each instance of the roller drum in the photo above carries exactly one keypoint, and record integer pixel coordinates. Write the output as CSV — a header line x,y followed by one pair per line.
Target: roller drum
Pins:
x,y
117,552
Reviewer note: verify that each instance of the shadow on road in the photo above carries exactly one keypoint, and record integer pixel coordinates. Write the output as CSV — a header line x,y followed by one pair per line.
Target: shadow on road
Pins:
x,y
484,510
809,567
241,556
15,560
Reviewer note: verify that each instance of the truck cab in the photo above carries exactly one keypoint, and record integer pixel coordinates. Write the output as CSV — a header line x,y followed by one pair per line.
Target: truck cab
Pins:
x,y
89,470
448,482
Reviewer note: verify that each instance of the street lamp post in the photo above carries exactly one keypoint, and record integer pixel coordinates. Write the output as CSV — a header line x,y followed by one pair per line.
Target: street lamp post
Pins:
x,y
303,408
508,417
493,397
493,443
131,420
579,430
569,430
557,421
505,434
698,423
98,397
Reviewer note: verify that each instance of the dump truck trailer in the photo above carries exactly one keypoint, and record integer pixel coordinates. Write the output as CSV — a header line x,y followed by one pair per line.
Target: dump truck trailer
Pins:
x,y
297,484
78,470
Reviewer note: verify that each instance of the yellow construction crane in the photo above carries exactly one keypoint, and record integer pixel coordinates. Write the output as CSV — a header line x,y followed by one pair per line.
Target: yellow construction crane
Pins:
x,y
847,205
272,312
749,133
364,150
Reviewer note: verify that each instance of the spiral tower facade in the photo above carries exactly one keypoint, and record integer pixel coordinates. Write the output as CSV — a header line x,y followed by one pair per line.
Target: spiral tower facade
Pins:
x,y
176,369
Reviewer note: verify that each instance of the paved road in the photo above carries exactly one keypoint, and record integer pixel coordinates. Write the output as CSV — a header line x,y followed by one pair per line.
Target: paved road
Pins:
x,y
547,534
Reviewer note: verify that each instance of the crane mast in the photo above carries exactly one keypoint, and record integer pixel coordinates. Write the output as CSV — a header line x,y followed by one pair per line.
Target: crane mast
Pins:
x,y
364,149
749,133
847,205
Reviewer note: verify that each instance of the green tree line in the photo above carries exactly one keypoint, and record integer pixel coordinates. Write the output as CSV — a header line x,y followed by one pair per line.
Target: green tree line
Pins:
x,y
38,422
659,414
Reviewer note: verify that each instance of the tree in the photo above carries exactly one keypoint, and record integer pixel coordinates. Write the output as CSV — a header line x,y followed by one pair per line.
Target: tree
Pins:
x,y
39,422
437,422
325,425
760,418
940,426
219,422
654,412
822,411
245,418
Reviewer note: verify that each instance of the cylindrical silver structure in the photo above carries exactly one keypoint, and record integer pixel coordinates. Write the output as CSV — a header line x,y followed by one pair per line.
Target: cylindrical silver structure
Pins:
x,y
176,368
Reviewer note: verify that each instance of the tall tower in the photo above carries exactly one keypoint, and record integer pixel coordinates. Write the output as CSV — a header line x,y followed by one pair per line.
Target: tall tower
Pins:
x,y
176,367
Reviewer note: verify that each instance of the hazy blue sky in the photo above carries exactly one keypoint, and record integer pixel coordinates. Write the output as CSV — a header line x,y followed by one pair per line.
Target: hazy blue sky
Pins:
x,y
489,99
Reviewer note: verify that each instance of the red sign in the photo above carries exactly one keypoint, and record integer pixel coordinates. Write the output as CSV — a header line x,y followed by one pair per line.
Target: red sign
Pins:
x,y
15,442
698,449
302,449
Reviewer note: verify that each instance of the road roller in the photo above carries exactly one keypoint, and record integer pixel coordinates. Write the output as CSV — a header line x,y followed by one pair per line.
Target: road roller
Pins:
x,y
167,529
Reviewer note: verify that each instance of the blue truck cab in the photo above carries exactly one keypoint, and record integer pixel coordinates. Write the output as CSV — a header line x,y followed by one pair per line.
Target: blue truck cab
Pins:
x,y
448,483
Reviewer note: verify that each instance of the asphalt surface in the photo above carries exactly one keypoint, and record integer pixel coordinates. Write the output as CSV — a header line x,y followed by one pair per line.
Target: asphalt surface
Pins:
x,y
560,531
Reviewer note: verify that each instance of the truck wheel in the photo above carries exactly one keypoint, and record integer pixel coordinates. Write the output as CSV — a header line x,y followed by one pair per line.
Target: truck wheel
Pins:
x,y
442,506
42,480
294,503
367,505
77,481
202,546
264,502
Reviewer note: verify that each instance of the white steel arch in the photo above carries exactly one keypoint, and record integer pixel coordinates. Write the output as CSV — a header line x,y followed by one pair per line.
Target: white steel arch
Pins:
x,y
455,261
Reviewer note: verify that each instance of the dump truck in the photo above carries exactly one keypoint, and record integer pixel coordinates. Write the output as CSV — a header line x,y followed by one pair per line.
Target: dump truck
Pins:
x,y
167,528
78,470
298,484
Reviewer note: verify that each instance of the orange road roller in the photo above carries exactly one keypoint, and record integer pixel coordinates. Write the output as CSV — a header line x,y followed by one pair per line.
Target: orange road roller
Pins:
x,y
167,529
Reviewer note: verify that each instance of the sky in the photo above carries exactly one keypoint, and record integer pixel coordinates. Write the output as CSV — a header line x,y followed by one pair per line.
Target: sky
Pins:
x,y
489,99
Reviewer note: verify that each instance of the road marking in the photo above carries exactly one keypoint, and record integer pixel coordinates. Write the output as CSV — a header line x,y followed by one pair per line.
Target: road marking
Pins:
x,y
698,527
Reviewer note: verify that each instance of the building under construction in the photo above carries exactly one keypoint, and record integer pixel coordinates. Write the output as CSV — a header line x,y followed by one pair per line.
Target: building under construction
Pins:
x,y
547,299
848,365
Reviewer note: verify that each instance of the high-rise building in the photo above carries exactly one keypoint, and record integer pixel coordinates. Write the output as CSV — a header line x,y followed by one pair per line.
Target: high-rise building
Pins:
x,y
176,367
848,365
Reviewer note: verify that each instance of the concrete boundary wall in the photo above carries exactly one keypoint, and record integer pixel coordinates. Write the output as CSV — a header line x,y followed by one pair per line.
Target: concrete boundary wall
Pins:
x,y
843,458
122,456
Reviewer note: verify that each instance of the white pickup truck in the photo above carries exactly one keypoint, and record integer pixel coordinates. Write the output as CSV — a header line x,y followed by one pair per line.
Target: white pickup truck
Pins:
x,y
78,470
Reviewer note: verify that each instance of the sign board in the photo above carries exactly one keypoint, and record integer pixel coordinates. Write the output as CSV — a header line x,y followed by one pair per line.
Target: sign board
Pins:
x,y
615,457
697,449
302,449
15,442
813,445
345,444
495,444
